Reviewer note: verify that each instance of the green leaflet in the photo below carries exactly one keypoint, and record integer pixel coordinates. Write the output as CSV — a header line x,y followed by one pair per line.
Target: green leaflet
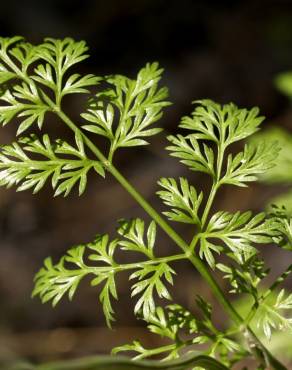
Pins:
x,y
59,56
134,104
54,281
18,52
133,232
49,63
183,199
188,150
17,168
222,125
247,165
23,101
238,232
271,313
217,123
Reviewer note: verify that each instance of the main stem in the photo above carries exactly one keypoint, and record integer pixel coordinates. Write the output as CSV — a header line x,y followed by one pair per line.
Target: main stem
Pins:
x,y
198,264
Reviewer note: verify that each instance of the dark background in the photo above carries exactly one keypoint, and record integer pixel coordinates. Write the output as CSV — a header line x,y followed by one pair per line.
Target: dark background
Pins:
x,y
223,50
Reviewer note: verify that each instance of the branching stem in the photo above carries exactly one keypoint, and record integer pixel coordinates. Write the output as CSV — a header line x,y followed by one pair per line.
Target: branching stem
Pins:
x,y
197,263
209,202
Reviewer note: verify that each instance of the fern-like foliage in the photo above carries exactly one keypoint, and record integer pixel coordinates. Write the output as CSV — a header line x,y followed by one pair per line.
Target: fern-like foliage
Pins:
x,y
271,314
238,232
183,329
213,129
134,104
32,67
183,198
133,231
34,81
245,277
280,174
246,166
54,281
59,56
224,126
17,168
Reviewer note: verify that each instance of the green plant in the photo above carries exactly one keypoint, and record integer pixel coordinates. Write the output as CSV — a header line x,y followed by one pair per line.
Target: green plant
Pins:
x,y
34,81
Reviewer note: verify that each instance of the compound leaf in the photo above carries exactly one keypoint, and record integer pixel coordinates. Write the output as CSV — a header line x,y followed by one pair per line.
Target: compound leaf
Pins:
x,y
139,104
52,282
17,168
238,232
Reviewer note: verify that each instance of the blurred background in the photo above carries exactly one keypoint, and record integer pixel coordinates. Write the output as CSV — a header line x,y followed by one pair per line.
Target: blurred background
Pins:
x,y
223,50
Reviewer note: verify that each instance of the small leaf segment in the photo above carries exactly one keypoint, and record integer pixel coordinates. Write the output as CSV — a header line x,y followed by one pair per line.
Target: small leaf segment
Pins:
x,y
34,81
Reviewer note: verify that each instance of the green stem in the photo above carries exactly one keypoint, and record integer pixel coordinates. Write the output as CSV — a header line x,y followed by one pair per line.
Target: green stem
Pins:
x,y
59,75
156,351
85,270
113,146
209,203
216,181
221,149
137,265
194,242
198,264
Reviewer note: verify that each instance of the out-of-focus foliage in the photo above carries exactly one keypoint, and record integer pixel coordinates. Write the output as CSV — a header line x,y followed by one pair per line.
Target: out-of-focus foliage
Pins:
x,y
281,173
283,83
